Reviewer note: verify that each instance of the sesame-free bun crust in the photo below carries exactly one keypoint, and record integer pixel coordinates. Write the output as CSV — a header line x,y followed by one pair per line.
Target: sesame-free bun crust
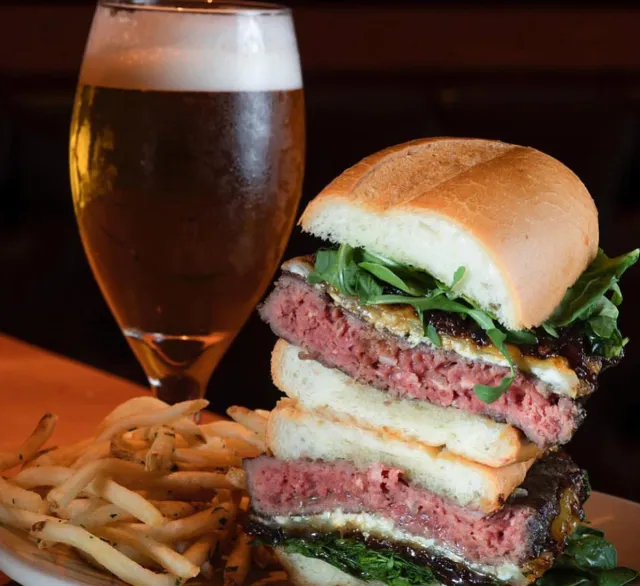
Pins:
x,y
520,222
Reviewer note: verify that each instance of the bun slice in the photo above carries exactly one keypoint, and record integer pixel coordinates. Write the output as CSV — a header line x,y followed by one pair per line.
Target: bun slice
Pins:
x,y
304,571
294,433
520,222
338,396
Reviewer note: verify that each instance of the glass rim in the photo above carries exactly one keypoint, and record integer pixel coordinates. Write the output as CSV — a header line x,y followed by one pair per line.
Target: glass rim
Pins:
x,y
199,6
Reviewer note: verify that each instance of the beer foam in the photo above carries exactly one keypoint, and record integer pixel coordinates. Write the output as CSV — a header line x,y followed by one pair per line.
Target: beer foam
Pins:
x,y
211,51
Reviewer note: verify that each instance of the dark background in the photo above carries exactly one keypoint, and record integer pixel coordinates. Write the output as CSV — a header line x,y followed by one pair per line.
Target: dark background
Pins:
x,y
561,78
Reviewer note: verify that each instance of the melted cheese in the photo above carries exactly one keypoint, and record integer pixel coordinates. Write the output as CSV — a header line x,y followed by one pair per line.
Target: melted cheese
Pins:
x,y
374,526
403,322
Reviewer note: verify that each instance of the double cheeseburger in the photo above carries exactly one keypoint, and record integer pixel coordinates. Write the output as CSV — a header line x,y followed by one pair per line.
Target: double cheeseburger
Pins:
x,y
435,356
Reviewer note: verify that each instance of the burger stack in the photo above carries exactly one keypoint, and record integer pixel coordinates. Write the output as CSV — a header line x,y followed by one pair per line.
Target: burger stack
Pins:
x,y
435,356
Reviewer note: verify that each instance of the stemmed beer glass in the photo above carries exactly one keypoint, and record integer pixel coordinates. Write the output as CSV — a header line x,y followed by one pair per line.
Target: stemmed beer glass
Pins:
x,y
186,155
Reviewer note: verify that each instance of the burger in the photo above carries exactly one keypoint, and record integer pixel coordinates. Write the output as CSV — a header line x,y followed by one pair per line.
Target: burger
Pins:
x,y
435,356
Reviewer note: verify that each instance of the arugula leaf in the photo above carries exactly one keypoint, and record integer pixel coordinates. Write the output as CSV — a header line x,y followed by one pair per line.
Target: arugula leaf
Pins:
x,y
490,394
588,559
604,317
592,551
592,301
346,273
432,334
325,268
521,337
551,330
616,577
388,276
602,274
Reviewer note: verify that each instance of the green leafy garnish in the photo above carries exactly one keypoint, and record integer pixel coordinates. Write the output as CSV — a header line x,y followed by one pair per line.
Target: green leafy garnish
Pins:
x,y
356,272
588,559
356,559
592,301
432,334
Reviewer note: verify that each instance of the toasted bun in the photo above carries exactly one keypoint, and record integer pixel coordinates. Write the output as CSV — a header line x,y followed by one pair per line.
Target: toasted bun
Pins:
x,y
519,221
304,571
294,433
339,397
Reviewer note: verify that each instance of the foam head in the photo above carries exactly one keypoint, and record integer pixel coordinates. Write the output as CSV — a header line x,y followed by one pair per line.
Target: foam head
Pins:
x,y
192,50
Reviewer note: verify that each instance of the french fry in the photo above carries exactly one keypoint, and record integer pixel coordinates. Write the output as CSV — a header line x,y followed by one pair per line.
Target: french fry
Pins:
x,y
170,560
242,448
165,415
90,453
175,509
189,431
127,500
202,549
215,518
20,498
39,454
80,507
122,449
250,419
62,456
263,413
231,429
131,407
63,494
101,516
122,502
131,553
237,567
190,483
220,458
30,447
103,553
21,519
42,476
159,456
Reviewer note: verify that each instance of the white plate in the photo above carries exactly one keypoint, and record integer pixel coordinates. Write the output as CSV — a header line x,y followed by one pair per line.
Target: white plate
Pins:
x,y
22,561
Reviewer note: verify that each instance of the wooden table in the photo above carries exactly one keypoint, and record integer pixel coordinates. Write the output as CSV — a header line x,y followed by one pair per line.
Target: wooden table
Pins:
x,y
34,381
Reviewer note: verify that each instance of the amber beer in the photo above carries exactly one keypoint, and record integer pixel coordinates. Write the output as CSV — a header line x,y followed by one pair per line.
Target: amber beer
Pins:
x,y
185,200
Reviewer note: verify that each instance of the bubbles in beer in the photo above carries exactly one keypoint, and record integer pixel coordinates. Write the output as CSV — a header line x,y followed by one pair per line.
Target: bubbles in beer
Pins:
x,y
190,51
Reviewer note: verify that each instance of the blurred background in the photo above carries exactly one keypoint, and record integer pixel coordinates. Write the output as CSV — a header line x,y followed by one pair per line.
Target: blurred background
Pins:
x,y
561,78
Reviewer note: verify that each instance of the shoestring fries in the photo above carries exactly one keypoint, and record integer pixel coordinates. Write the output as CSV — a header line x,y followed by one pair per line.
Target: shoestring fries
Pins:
x,y
31,446
152,497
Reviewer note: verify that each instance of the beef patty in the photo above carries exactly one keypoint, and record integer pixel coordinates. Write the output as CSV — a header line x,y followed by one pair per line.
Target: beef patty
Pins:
x,y
306,316
519,532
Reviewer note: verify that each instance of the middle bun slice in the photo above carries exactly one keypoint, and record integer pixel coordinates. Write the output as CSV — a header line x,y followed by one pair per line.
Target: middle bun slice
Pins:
x,y
338,396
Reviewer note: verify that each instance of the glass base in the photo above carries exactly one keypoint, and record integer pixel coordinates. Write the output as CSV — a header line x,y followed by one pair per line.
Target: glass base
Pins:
x,y
178,366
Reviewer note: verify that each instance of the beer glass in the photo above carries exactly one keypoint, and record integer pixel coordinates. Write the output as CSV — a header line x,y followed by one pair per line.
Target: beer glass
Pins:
x,y
186,156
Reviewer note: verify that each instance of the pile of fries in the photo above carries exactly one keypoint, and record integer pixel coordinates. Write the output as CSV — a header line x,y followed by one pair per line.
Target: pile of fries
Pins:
x,y
152,497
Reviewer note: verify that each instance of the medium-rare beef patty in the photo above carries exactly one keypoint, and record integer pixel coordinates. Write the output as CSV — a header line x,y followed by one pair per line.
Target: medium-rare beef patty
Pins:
x,y
305,315
521,531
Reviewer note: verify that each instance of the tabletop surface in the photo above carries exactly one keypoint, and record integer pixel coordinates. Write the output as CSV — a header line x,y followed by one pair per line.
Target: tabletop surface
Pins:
x,y
34,381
